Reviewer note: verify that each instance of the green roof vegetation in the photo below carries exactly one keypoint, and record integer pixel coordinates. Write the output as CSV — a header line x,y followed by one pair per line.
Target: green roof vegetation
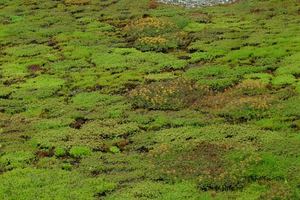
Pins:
x,y
138,100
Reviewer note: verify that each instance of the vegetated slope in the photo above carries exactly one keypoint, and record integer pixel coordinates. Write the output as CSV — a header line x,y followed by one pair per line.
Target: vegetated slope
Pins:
x,y
130,99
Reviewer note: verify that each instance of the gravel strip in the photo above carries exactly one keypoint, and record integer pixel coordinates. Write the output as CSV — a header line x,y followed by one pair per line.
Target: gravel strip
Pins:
x,y
196,3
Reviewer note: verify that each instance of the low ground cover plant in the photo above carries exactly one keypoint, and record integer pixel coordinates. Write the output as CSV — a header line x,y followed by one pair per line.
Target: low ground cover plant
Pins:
x,y
138,100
